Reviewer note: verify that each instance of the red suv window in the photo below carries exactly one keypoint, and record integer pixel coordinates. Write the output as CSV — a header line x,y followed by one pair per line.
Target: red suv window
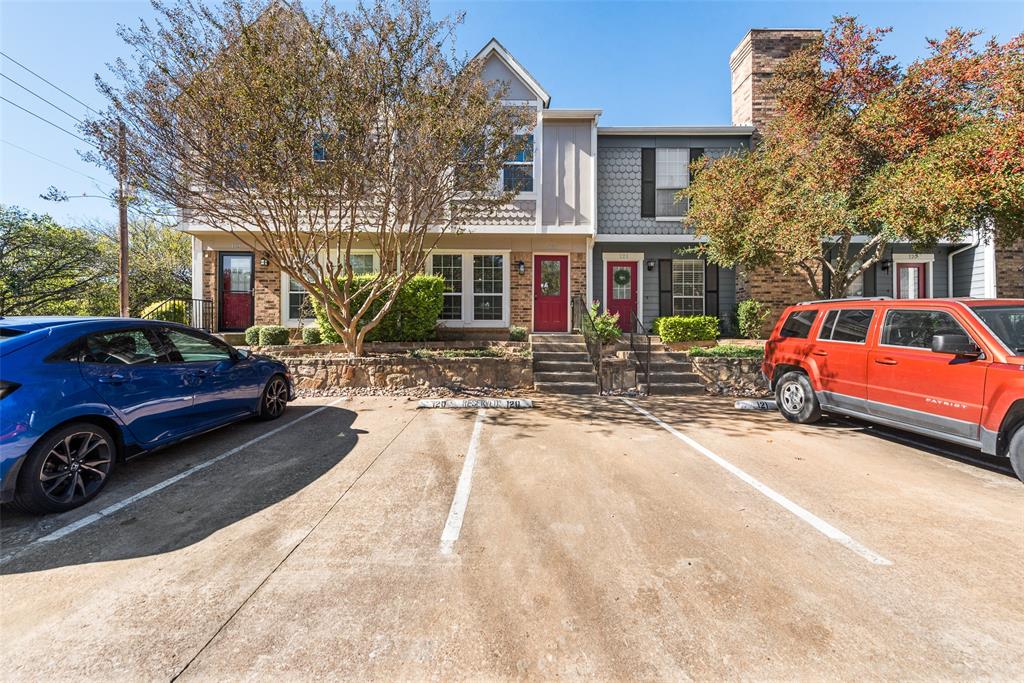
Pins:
x,y
846,325
798,324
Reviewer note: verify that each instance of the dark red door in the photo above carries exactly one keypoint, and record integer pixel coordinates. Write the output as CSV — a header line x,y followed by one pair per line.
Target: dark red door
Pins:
x,y
621,291
236,301
910,280
551,293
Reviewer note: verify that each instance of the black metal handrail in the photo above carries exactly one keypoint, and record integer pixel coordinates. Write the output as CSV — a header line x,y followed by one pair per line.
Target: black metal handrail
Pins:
x,y
645,344
584,322
197,313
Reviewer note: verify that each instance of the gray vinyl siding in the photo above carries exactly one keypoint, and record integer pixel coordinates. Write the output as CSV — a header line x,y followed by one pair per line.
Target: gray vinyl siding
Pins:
x,y
883,279
568,173
618,180
969,273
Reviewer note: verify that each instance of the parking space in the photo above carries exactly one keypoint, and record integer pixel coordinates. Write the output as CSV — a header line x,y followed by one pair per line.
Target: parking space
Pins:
x,y
595,541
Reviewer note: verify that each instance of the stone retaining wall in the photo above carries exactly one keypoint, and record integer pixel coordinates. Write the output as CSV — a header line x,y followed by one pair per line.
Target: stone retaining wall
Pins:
x,y
382,347
396,372
731,376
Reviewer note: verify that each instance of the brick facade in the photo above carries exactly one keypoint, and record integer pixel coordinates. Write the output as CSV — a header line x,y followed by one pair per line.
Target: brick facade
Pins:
x,y
1010,271
772,287
267,292
753,64
521,286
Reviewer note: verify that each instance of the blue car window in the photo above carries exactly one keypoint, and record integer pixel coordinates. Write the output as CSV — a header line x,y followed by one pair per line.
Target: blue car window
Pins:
x,y
123,347
195,349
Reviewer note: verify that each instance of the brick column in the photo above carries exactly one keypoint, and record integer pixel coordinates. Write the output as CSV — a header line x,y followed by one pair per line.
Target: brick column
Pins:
x,y
521,290
266,292
210,285
1010,271
772,287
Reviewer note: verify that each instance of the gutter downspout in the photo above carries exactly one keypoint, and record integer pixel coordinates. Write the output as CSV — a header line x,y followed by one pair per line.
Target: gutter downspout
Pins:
x,y
975,242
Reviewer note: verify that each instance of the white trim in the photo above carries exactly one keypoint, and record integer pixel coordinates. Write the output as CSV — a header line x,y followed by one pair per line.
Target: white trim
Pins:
x,y
197,269
975,241
538,171
572,113
624,256
927,259
676,130
593,180
991,284
467,287
529,81
589,284
568,288
687,239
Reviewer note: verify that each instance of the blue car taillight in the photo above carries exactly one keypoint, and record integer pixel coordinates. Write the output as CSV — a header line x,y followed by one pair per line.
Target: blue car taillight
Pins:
x,y
7,387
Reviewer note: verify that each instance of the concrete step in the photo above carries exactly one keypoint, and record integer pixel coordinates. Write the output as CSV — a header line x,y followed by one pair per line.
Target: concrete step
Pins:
x,y
549,377
671,366
577,388
562,366
675,389
556,337
560,356
548,347
670,377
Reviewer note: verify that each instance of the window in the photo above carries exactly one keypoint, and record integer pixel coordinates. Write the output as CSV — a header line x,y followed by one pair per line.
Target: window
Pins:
x,y
517,173
798,324
299,305
362,264
1007,323
848,325
449,266
124,347
192,348
687,287
672,172
488,287
915,329
320,142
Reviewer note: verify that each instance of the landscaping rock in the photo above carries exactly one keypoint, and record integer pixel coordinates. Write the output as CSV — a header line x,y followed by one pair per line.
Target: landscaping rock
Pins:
x,y
731,376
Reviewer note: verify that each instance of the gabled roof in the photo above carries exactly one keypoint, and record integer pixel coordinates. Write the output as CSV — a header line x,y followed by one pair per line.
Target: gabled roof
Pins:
x,y
505,56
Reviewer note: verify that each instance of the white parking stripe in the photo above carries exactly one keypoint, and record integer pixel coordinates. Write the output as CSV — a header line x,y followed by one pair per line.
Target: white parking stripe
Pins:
x,y
111,509
815,521
458,510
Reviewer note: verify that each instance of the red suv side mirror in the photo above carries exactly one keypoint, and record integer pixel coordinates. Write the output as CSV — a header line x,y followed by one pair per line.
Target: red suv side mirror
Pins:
x,y
956,344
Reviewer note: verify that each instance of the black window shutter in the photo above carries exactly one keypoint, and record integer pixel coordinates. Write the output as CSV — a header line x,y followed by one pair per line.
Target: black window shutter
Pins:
x,y
647,182
710,289
695,154
664,286
869,281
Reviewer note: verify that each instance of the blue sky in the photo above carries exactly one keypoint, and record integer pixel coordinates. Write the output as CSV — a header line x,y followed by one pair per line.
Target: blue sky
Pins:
x,y
643,63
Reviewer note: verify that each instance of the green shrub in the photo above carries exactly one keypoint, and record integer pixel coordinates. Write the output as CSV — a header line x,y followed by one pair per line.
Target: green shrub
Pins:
x,y
252,335
273,335
605,325
679,328
516,333
169,311
656,326
751,316
310,335
413,317
728,351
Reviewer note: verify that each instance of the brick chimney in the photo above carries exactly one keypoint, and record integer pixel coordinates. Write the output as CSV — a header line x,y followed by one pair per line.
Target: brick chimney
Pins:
x,y
752,65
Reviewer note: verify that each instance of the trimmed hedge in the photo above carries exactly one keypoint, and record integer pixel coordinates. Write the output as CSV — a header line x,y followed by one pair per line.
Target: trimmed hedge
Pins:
x,y
252,335
413,317
273,335
679,328
517,334
311,335
751,316
728,351
172,312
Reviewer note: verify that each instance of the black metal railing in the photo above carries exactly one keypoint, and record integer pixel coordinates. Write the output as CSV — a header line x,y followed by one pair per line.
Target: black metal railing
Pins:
x,y
581,312
197,313
642,350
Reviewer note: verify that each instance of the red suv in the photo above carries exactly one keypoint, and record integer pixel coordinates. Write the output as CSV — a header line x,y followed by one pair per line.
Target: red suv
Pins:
x,y
952,369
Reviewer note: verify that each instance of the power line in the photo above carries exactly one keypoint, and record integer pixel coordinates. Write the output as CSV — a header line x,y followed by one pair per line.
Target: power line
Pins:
x,y
45,120
38,96
50,83
55,163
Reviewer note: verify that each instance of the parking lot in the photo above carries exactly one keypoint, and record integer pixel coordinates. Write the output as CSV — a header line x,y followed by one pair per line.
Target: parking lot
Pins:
x,y
656,538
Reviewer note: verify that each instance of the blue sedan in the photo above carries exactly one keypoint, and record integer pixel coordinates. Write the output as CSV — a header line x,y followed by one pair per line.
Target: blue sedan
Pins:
x,y
78,395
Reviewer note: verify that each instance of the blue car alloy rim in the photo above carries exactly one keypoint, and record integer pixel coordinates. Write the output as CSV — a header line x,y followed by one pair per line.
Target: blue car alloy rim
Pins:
x,y
76,467
276,397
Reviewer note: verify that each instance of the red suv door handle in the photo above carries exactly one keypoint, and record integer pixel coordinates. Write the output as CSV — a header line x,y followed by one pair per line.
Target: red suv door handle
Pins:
x,y
885,361
819,352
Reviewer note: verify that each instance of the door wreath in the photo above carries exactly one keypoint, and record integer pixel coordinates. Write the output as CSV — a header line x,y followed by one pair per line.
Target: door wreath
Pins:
x,y
621,277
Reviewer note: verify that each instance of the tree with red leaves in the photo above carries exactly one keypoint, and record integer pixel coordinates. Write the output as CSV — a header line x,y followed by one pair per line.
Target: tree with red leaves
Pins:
x,y
865,153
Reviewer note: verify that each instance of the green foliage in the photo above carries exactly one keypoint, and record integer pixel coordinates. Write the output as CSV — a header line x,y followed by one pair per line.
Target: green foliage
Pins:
x,y
169,311
728,351
413,316
273,335
45,269
751,315
311,335
459,353
605,326
678,328
517,334
252,335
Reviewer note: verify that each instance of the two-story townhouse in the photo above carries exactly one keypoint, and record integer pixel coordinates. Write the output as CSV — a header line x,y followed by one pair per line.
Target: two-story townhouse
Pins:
x,y
597,218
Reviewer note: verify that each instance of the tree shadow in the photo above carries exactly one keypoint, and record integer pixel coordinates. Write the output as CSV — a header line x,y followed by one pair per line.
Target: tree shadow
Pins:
x,y
189,510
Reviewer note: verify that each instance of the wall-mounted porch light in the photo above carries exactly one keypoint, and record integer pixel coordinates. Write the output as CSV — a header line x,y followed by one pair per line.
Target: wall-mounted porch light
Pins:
x,y
264,262
884,265
650,264
521,267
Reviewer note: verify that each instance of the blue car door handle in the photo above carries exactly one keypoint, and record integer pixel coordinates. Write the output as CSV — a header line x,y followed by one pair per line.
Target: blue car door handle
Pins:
x,y
111,379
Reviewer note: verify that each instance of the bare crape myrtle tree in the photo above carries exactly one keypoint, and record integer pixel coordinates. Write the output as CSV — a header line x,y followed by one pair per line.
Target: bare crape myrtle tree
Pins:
x,y
304,134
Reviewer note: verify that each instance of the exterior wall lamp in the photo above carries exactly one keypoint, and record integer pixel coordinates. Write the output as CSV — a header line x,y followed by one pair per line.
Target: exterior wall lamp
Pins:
x,y
650,264
264,262
521,267
884,265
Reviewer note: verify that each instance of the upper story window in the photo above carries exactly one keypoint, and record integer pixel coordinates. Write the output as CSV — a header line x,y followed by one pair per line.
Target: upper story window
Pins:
x,y
517,173
663,173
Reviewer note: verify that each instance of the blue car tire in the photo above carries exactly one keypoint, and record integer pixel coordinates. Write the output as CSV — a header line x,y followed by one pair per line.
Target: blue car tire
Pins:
x,y
66,468
274,398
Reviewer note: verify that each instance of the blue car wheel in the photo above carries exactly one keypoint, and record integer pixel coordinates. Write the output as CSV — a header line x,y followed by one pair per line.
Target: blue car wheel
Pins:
x,y
65,468
274,399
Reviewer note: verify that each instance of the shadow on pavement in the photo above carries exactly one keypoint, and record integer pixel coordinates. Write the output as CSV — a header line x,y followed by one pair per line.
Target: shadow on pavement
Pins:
x,y
244,484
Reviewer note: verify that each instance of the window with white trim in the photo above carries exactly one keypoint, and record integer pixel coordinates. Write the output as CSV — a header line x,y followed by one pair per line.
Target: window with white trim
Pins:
x,y
476,287
363,264
488,287
299,305
517,173
672,173
687,287
449,266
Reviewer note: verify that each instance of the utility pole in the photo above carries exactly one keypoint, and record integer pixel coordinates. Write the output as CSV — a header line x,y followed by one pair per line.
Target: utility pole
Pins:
x,y
122,205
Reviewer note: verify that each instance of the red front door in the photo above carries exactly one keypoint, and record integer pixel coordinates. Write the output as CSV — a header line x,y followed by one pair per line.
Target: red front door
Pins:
x,y
910,280
236,301
551,293
621,291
